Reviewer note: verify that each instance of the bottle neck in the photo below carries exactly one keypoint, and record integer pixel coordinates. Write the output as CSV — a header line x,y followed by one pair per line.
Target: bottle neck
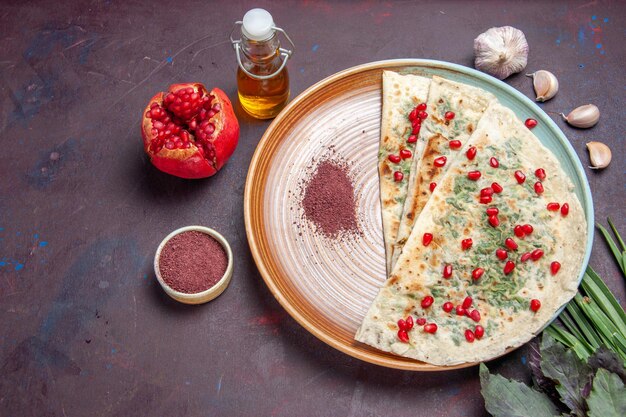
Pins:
x,y
260,51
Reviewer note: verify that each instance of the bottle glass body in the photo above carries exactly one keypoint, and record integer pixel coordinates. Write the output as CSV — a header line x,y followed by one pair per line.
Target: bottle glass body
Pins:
x,y
265,98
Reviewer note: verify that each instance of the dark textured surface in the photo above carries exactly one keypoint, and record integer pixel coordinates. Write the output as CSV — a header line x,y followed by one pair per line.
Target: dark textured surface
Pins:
x,y
84,328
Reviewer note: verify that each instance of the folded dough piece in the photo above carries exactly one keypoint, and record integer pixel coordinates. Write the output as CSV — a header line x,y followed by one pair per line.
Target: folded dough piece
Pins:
x,y
401,93
468,105
454,213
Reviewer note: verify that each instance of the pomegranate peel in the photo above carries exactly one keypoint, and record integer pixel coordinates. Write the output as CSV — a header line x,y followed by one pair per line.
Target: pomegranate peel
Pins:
x,y
190,132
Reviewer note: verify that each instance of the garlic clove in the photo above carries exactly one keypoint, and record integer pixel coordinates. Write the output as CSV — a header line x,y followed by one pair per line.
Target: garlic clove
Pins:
x,y
545,83
599,154
501,51
584,116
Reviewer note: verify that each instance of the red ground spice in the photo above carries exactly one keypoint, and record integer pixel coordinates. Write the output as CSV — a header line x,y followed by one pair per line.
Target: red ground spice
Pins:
x,y
192,261
328,199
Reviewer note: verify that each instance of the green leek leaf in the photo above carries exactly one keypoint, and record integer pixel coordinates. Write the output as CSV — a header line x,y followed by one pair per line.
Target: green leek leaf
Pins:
x,y
616,252
619,238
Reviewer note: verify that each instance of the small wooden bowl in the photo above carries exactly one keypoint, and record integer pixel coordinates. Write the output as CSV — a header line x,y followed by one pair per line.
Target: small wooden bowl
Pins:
x,y
202,296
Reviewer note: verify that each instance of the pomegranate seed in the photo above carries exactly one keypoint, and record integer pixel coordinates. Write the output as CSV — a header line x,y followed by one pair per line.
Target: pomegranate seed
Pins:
x,y
525,256
510,243
501,254
493,220
421,107
565,209
553,206
447,271
455,144
474,175
412,139
486,192
394,158
409,323
520,177
432,186
416,130
403,336
471,153
416,122
449,115
427,238
469,336
467,302
494,162
519,231
530,123
475,315
477,273
421,321
486,199
540,173
466,244
554,267
497,188
535,305
430,328
509,266
427,301
184,103
539,187
536,254
447,307
413,114
398,176
422,115
402,325
479,331
528,229
460,311
441,161
405,154
492,211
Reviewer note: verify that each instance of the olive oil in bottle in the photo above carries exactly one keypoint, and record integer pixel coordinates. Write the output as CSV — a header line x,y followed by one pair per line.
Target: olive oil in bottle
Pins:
x,y
262,77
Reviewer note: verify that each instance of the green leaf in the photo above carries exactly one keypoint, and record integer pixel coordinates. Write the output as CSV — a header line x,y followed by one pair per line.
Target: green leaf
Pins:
x,y
616,252
587,328
570,373
600,321
608,396
570,325
568,340
507,398
597,289
619,238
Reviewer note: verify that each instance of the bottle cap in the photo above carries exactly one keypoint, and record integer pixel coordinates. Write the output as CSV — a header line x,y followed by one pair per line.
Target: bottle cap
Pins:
x,y
258,25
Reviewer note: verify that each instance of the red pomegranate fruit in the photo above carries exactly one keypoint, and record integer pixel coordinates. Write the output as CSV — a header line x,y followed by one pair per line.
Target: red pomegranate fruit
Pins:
x,y
188,131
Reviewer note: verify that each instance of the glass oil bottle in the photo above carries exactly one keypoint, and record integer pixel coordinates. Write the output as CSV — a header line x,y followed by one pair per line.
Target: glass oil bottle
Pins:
x,y
262,77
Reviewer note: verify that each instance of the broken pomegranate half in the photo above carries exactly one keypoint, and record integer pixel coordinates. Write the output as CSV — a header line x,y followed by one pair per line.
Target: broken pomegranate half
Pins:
x,y
188,131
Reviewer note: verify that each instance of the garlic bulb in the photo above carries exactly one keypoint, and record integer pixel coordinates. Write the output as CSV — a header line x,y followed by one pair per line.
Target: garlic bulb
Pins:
x,y
583,116
501,51
545,83
599,154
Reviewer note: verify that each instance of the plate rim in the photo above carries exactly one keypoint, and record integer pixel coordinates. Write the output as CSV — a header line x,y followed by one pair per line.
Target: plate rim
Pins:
x,y
393,361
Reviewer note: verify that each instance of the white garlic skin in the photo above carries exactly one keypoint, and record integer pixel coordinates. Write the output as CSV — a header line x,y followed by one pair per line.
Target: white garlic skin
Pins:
x,y
583,117
599,154
545,83
501,51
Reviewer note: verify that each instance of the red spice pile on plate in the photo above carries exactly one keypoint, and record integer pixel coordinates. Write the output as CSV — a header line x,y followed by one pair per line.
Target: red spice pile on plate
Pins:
x,y
328,200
